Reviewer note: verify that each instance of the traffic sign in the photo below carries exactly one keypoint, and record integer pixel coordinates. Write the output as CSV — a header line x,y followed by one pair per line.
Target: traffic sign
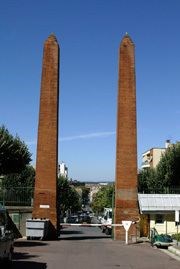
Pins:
x,y
126,224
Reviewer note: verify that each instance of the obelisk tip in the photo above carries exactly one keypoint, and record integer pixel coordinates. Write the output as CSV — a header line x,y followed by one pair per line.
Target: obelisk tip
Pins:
x,y
52,36
127,38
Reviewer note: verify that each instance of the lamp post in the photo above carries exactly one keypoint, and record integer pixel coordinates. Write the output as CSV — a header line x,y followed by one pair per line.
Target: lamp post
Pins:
x,y
177,222
2,191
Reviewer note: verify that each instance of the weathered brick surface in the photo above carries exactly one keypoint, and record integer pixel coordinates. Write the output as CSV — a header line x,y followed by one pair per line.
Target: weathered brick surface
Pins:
x,y
126,205
47,154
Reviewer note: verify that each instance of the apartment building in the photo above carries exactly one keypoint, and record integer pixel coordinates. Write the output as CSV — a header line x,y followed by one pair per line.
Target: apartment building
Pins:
x,y
63,170
151,157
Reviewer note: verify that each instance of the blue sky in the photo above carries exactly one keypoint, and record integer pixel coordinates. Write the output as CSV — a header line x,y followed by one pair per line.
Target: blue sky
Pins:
x,y
89,33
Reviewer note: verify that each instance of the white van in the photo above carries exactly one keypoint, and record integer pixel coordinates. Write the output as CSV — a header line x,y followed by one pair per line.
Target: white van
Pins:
x,y
107,221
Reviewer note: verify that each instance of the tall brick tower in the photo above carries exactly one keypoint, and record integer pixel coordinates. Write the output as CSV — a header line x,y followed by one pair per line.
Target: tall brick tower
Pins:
x,y
126,204
45,196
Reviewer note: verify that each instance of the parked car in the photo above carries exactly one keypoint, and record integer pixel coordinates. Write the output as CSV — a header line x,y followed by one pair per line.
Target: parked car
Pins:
x,y
84,218
72,219
6,238
106,221
160,240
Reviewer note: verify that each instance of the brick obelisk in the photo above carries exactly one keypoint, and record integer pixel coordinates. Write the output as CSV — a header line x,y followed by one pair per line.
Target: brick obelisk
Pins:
x,y
126,202
45,195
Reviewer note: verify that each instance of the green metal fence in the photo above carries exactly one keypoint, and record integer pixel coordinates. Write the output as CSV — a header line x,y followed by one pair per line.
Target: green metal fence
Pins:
x,y
16,196
163,190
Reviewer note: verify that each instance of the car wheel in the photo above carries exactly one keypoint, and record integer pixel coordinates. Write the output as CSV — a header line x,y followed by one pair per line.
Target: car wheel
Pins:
x,y
107,231
103,230
8,260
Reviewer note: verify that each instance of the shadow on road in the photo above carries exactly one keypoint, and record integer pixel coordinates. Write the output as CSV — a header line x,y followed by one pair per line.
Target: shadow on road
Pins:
x,y
29,243
84,237
22,256
27,265
70,232
20,261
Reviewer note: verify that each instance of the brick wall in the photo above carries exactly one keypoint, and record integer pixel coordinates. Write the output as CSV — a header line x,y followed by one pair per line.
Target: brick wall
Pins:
x,y
45,199
126,204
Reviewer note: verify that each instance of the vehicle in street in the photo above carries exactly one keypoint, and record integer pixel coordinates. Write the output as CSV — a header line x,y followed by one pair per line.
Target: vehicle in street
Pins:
x,y
106,221
6,237
84,218
72,219
160,240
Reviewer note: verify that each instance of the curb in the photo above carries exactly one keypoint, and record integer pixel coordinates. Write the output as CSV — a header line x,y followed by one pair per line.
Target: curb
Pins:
x,y
174,250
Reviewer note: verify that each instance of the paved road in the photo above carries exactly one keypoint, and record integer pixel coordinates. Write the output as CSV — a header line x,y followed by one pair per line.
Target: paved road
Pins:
x,y
88,248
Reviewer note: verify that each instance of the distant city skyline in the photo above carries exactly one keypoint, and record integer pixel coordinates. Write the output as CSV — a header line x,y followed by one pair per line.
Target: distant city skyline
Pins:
x,y
89,34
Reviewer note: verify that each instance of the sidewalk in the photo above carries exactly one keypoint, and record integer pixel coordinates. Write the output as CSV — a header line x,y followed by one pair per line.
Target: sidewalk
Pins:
x,y
175,250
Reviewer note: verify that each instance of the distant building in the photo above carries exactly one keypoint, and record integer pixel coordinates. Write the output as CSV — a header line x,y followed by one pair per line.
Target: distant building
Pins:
x,y
151,157
63,170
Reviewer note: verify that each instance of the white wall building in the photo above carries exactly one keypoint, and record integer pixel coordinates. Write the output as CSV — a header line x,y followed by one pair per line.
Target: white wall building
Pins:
x,y
161,210
151,157
63,170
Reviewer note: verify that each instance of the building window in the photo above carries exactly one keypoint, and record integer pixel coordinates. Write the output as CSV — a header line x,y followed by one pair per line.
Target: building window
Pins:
x,y
159,219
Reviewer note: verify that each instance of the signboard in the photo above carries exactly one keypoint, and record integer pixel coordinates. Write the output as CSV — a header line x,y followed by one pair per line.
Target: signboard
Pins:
x,y
44,206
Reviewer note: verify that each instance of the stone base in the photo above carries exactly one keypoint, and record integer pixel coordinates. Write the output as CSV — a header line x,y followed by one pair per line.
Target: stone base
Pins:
x,y
133,233
127,214
45,206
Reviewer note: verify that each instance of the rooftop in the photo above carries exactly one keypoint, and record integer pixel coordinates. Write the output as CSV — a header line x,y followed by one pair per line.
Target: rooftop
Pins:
x,y
158,202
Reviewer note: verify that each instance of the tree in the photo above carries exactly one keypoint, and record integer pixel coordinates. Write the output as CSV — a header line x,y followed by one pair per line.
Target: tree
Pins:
x,y
24,179
147,181
17,188
165,175
85,195
14,154
68,197
103,198
168,169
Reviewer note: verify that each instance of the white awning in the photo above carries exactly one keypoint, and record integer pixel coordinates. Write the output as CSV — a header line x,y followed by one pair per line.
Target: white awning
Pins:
x,y
149,203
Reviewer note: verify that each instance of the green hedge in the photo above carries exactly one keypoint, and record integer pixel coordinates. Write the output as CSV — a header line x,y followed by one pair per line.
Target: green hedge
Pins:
x,y
176,236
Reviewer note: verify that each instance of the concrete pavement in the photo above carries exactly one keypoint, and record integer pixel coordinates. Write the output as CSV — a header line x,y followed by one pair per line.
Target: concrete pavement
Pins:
x,y
90,249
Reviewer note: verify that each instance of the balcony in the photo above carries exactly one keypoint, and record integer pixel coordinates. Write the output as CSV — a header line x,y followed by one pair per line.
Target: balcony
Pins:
x,y
145,164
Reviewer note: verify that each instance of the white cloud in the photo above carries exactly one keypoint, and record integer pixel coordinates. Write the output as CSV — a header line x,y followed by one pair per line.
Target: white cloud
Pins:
x,y
81,136
88,136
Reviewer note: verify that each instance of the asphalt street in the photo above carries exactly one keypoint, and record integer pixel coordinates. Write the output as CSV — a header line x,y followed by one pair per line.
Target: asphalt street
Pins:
x,y
88,248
